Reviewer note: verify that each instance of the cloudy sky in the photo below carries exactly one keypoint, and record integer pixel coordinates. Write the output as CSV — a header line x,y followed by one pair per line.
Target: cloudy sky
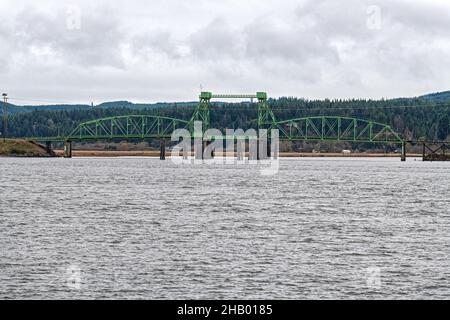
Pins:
x,y
149,51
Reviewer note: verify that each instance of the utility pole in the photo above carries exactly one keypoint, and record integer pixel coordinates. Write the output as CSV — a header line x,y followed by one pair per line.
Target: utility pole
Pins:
x,y
5,116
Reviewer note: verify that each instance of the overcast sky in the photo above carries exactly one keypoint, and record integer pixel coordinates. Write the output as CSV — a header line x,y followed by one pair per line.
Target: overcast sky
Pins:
x,y
149,51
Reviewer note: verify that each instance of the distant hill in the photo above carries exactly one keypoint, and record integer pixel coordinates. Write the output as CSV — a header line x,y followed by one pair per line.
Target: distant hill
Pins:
x,y
13,109
439,97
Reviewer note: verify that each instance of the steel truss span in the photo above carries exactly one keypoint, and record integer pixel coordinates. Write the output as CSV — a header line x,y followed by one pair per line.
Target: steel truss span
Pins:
x,y
127,127
335,128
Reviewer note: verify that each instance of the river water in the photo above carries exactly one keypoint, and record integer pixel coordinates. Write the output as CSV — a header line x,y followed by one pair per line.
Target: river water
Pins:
x,y
142,228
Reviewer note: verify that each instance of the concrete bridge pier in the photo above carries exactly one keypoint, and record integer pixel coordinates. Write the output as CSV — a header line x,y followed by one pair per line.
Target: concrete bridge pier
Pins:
x,y
276,149
211,155
423,151
162,149
67,149
48,147
204,145
263,150
253,149
240,150
199,148
403,157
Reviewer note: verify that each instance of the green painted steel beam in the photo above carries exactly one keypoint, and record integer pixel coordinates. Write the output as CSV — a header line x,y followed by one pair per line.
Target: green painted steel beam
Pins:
x,y
234,96
205,95
130,127
337,128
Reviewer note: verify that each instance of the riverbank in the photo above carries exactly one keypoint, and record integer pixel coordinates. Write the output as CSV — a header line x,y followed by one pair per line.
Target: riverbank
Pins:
x,y
22,148
155,153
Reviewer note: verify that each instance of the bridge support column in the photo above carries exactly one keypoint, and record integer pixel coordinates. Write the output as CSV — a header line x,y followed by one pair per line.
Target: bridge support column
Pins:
x,y
204,145
240,150
257,150
199,148
275,146
48,147
67,149
262,148
423,152
403,157
162,149
253,149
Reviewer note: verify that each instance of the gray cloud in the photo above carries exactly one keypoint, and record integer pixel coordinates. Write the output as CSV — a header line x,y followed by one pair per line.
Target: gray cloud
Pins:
x,y
154,51
96,43
157,42
216,40
264,41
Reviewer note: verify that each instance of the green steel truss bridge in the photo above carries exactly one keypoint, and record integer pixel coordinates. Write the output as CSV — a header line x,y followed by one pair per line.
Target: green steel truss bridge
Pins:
x,y
127,127
315,128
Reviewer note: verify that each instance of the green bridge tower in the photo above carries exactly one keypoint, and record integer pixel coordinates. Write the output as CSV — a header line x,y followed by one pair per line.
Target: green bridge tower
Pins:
x,y
266,118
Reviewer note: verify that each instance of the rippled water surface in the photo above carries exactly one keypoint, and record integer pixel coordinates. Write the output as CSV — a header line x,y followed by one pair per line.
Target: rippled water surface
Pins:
x,y
150,229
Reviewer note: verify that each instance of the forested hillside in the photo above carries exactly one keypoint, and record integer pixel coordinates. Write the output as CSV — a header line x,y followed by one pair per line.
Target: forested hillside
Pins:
x,y
413,118
437,97
13,109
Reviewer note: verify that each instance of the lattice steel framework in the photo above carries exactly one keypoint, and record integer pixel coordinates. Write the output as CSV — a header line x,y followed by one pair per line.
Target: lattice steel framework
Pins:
x,y
131,126
266,118
336,128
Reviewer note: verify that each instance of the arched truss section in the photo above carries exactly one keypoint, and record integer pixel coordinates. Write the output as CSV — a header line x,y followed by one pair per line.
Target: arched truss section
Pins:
x,y
127,127
334,128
